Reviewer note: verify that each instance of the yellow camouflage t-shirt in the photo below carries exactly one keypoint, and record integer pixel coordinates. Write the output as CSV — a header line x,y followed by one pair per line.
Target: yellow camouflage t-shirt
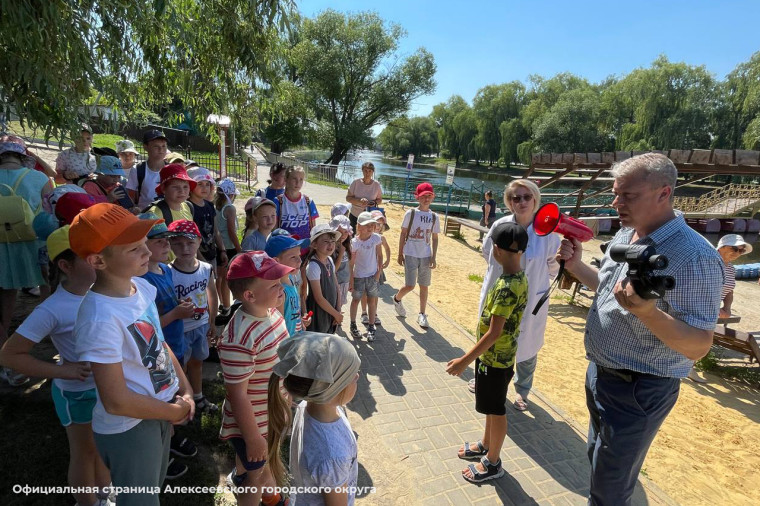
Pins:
x,y
507,298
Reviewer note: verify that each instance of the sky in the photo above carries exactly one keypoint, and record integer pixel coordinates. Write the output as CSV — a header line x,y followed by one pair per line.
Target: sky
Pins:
x,y
481,42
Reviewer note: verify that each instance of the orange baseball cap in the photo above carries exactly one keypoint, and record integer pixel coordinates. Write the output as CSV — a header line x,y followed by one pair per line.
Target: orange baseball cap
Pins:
x,y
103,225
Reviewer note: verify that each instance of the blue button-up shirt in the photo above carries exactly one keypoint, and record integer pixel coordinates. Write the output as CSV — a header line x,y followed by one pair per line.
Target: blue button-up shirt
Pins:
x,y
617,339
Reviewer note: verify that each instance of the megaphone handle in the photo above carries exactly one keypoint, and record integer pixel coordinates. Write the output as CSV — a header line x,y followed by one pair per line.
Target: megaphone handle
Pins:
x,y
548,293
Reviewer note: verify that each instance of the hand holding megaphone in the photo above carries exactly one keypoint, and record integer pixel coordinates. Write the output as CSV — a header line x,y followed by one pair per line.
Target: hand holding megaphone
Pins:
x,y
549,219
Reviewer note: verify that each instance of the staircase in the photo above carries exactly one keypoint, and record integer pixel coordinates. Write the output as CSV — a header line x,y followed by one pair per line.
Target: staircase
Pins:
x,y
730,200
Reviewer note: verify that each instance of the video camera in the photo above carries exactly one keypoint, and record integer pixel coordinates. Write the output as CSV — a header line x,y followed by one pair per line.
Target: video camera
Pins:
x,y
642,260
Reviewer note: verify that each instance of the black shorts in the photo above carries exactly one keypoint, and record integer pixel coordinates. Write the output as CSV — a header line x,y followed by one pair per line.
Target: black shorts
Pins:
x,y
491,385
238,443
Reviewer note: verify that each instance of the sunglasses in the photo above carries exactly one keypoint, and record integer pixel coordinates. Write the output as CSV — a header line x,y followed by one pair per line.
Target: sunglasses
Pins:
x,y
737,249
518,198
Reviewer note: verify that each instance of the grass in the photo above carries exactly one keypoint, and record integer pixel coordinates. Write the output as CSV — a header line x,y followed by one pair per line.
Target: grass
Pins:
x,y
457,235
476,278
711,363
328,183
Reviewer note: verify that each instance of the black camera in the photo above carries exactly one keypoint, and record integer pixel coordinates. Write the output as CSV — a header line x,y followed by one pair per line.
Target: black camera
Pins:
x,y
642,260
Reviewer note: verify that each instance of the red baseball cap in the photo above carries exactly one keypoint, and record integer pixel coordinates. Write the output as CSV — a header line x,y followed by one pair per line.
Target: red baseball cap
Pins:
x,y
185,228
424,189
174,171
104,225
256,264
70,204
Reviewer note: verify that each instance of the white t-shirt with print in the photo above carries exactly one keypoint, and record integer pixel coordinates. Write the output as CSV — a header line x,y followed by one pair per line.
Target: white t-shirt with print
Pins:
x,y
126,331
193,285
55,317
366,255
426,223
148,190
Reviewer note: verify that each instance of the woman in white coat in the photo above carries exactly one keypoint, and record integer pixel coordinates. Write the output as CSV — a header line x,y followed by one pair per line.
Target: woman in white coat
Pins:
x,y
523,198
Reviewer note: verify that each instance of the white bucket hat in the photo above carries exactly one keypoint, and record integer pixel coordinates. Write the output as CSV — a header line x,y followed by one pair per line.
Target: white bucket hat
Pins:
x,y
735,240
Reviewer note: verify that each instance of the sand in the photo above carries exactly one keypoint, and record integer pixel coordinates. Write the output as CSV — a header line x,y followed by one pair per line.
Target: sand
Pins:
x,y
708,450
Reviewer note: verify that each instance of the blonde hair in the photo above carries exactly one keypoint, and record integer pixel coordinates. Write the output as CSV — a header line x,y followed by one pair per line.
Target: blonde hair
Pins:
x,y
528,185
292,169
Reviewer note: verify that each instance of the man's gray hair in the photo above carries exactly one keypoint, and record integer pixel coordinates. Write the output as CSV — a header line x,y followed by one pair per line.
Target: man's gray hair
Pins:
x,y
657,169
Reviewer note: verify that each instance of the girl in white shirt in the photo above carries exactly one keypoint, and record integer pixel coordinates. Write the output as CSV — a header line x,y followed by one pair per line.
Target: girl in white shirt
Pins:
x,y
73,387
319,371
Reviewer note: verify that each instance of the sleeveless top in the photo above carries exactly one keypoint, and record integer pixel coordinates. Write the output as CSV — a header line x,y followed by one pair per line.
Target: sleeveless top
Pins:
x,y
221,226
322,321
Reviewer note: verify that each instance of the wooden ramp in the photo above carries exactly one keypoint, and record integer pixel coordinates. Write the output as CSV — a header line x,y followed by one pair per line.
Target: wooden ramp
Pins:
x,y
730,200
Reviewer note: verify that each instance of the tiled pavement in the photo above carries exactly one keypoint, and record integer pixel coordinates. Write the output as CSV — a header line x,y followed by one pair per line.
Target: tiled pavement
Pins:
x,y
411,417
419,415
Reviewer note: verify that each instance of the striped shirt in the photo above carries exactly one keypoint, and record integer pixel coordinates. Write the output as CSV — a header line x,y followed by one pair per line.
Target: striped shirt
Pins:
x,y
248,352
617,339
730,283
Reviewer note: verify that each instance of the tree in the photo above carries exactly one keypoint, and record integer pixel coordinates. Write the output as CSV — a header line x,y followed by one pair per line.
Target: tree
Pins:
x,y
443,117
353,79
139,54
572,124
492,106
738,106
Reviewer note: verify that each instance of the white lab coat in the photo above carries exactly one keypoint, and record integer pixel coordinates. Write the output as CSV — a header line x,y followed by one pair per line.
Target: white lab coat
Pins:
x,y
540,267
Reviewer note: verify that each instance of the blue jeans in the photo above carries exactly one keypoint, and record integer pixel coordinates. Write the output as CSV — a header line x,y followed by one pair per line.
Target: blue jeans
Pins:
x,y
625,414
524,376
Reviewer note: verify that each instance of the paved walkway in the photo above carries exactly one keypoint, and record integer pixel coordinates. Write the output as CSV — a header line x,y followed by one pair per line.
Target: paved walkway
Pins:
x,y
411,417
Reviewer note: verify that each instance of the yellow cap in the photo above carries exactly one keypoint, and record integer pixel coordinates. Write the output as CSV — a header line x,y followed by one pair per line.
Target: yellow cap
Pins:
x,y
58,242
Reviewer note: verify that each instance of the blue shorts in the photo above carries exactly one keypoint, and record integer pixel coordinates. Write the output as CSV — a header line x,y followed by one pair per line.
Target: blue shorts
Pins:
x,y
197,343
238,443
73,407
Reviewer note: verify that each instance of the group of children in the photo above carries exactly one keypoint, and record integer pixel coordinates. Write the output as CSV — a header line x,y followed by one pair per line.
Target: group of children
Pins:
x,y
134,318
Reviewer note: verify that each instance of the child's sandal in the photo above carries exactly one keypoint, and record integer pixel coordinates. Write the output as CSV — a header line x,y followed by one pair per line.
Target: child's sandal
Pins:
x,y
469,454
492,472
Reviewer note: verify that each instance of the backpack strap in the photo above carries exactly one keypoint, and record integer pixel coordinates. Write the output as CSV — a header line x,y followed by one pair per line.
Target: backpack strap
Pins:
x,y
19,179
141,168
279,209
166,213
308,210
409,226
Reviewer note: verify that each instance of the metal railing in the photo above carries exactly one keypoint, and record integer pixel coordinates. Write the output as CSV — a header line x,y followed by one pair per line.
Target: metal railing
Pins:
x,y
727,200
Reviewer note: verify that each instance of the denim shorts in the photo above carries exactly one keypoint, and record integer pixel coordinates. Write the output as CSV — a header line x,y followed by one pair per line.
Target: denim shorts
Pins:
x,y
366,285
197,343
73,407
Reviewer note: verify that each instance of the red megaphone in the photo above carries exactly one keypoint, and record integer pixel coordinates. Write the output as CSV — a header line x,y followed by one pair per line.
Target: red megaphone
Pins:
x,y
548,219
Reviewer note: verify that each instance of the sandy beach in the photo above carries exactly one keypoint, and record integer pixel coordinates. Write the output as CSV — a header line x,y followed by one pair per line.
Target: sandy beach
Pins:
x,y
708,450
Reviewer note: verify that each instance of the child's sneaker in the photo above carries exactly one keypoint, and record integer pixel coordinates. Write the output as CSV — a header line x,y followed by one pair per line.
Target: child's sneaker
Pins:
x,y
377,320
175,469
371,333
203,405
399,307
183,447
355,331
365,319
422,321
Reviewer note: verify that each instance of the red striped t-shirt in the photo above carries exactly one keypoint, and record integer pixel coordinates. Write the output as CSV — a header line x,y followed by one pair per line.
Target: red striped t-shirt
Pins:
x,y
248,352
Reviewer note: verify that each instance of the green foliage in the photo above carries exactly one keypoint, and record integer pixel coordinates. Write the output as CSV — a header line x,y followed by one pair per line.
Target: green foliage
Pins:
x,y
141,55
571,124
404,136
353,79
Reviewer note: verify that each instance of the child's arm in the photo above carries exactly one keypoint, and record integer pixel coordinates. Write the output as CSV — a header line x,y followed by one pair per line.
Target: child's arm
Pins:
x,y
185,391
351,265
341,250
401,242
387,251
213,308
456,366
255,444
220,246
229,214
435,251
121,401
379,256
180,312
16,355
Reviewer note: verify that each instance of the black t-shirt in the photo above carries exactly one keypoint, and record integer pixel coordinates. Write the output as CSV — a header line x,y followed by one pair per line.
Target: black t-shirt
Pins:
x,y
204,218
492,211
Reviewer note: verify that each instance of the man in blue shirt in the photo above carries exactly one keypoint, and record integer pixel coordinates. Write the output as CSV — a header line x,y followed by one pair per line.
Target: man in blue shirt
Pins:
x,y
639,349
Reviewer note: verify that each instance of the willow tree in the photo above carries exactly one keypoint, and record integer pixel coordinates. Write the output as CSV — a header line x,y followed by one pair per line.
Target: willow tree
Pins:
x,y
354,78
211,56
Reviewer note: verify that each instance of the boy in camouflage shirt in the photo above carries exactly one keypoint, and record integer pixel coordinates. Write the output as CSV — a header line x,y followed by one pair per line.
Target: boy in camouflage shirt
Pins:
x,y
494,353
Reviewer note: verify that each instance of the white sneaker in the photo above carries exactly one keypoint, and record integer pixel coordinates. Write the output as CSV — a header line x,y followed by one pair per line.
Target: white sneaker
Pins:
x,y
365,319
399,307
422,321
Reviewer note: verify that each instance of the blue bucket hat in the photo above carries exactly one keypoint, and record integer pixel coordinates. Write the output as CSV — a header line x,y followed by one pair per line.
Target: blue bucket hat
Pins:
x,y
276,244
159,230
110,166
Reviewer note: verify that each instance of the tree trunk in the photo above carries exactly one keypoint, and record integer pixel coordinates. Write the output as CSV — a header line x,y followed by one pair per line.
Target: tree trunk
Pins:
x,y
338,154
